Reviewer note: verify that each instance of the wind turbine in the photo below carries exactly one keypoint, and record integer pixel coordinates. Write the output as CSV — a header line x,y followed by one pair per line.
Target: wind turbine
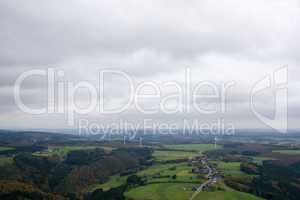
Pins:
x,y
109,137
141,141
124,139
216,142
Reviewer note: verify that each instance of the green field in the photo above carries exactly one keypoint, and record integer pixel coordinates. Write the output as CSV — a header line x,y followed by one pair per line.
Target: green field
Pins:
x,y
193,147
62,151
288,152
114,181
259,160
4,160
155,169
182,171
180,191
166,171
161,191
230,168
227,194
172,155
6,148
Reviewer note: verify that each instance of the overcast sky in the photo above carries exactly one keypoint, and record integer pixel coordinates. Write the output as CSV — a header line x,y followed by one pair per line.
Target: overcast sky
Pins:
x,y
218,40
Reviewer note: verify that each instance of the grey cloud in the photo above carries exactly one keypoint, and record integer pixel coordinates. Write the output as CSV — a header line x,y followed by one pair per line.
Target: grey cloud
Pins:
x,y
48,33
149,40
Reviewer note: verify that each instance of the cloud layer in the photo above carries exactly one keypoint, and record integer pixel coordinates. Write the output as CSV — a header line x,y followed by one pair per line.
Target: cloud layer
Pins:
x,y
219,41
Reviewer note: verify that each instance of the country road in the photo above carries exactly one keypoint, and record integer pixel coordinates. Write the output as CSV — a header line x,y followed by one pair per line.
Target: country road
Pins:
x,y
210,177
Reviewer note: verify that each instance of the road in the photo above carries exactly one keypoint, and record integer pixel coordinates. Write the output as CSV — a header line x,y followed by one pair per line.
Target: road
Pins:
x,y
210,177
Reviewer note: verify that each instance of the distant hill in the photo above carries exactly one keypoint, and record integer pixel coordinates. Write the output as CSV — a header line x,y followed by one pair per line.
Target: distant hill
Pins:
x,y
8,136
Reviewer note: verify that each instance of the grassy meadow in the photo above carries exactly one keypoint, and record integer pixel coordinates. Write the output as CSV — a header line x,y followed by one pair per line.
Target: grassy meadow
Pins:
x,y
114,181
6,148
4,160
287,152
161,191
172,155
226,194
62,151
193,147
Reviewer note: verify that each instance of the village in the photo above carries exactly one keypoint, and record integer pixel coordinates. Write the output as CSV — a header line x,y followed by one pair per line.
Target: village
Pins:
x,y
209,172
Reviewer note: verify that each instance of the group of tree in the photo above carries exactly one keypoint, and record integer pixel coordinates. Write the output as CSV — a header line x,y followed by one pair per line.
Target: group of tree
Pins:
x,y
67,178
